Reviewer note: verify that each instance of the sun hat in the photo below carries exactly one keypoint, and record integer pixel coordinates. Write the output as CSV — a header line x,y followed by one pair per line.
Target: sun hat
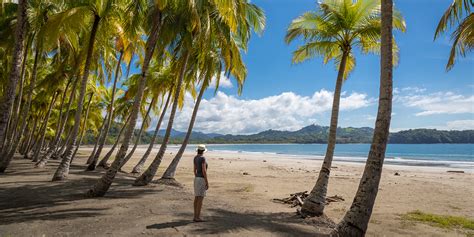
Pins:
x,y
201,147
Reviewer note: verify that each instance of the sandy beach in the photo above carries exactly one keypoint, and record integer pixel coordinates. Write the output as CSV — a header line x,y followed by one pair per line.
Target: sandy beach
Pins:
x,y
238,204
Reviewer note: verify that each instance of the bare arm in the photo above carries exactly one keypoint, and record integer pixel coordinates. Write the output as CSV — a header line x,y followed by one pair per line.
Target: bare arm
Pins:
x,y
195,169
204,173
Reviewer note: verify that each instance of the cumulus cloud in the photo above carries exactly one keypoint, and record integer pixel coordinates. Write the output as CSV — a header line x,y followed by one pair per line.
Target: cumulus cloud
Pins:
x,y
438,103
224,82
460,124
287,111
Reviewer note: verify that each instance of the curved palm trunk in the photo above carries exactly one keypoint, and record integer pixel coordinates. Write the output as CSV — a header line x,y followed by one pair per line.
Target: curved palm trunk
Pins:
x,y
9,93
102,138
356,220
44,159
138,168
103,162
149,173
43,132
101,131
314,204
171,170
65,144
63,169
58,152
103,184
34,138
18,103
28,133
137,140
84,128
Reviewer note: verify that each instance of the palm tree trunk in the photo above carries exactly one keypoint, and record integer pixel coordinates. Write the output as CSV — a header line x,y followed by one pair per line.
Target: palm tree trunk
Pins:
x,y
34,137
149,173
58,152
102,138
356,220
45,126
137,140
138,168
101,131
9,93
103,184
84,127
17,105
65,144
44,159
171,170
23,141
314,204
63,169
103,162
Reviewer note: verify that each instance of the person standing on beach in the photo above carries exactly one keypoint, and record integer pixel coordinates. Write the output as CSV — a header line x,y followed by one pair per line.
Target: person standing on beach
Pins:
x,y
201,185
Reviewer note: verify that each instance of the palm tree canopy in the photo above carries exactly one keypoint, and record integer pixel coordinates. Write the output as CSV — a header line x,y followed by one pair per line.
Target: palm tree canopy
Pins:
x,y
463,35
338,26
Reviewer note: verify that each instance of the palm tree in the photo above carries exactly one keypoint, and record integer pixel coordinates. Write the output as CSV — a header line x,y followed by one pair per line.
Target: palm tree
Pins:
x,y
103,184
463,35
145,122
357,218
332,32
98,11
150,172
139,166
9,93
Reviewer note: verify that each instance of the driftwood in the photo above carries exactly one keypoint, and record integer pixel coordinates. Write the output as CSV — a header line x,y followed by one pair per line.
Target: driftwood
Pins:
x,y
297,199
455,171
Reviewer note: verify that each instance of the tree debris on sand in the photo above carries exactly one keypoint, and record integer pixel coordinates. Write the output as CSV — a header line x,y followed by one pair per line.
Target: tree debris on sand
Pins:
x,y
297,199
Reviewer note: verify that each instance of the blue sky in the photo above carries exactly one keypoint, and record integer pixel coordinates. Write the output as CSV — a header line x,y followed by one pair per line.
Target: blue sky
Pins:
x,y
279,95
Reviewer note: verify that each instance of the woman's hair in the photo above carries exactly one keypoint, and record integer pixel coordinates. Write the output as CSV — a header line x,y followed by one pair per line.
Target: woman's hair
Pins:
x,y
200,152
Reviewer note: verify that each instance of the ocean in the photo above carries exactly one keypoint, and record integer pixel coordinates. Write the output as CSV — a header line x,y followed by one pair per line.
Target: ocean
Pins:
x,y
442,155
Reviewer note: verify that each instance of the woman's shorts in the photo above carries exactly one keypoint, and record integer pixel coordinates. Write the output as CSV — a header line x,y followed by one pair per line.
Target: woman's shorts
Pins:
x,y
199,187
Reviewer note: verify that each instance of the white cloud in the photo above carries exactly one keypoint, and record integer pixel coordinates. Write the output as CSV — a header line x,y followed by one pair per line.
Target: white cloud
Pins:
x,y
438,103
460,125
224,82
287,111
413,89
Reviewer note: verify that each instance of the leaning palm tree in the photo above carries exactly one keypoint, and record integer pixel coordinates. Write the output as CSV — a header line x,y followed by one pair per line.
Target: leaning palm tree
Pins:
x,y
9,94
463,35
155,13
98,12
332,32
356,220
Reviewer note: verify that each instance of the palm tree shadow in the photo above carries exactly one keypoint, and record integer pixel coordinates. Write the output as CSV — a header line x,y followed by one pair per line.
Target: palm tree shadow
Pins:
x,y
222,221
172,224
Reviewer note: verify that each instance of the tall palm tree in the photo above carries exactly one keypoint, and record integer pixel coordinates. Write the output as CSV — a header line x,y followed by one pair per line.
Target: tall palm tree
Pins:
x,y
356,220
97,11
463,35
9,93
332,32
145,122
103,184
150,172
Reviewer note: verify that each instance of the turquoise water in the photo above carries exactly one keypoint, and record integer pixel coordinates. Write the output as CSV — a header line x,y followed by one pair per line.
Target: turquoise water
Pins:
x,y
450,155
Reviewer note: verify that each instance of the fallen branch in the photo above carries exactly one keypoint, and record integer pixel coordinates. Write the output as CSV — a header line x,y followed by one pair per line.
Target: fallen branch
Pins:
x,y
297,199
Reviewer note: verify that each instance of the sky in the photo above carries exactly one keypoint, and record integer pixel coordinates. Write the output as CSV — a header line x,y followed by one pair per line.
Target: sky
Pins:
x,y
282,96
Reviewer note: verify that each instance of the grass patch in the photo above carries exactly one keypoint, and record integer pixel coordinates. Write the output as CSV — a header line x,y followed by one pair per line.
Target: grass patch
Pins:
x,y
447,222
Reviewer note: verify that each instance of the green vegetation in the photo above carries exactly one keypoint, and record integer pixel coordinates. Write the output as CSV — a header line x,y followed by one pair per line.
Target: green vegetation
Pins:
x,y
443,221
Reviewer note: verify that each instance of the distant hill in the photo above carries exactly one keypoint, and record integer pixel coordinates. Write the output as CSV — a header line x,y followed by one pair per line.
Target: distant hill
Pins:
x,y
308,134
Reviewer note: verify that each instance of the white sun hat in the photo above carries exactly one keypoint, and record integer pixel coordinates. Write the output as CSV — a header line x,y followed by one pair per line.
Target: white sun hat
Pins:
x,y
201,147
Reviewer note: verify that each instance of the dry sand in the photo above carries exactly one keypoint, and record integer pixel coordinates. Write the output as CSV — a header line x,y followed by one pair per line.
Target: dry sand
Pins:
x,y
237,204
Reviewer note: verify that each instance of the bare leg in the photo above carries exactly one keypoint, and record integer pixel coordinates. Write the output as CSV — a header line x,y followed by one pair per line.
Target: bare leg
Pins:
x,y
195,208
199,207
